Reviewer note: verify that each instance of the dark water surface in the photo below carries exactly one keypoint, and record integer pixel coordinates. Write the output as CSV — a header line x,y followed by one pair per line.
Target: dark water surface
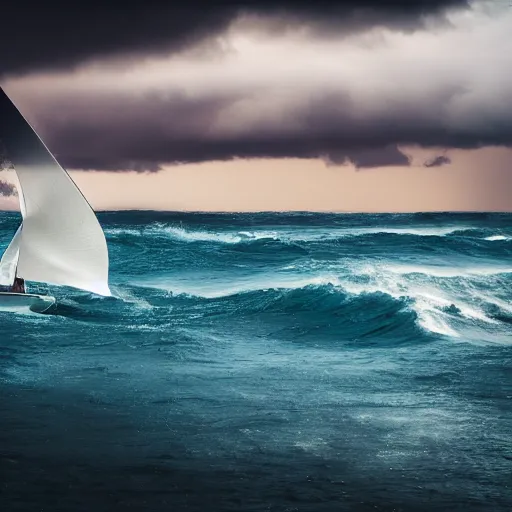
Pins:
x,y
283,362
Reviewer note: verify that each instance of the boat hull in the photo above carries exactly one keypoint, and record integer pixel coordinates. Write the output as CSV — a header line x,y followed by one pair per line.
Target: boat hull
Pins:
x,y
36,303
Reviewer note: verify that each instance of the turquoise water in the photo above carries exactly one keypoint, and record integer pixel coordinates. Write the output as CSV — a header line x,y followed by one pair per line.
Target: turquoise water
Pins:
x,y
268,362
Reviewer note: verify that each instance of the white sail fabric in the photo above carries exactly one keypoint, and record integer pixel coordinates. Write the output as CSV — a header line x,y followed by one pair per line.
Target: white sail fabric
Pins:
x,y
10,260
61,241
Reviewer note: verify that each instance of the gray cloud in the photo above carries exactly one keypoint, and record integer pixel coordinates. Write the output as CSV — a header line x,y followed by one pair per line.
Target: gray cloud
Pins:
x,y
369,157
5,163
7,189
115,133
118,132
60,35
288,95
437,161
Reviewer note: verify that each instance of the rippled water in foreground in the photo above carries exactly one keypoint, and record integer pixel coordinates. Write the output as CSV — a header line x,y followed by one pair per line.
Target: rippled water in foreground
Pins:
x,y
284,362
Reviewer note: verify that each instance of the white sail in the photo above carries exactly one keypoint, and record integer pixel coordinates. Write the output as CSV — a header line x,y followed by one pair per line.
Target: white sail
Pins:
x,y
61,241
10,260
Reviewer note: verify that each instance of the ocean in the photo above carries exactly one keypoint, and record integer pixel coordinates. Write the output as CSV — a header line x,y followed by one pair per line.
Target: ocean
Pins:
x,y
268,362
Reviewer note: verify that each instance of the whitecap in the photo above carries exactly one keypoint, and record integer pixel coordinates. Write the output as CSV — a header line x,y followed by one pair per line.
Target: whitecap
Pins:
x,y
200,236
309,235
448,271
497,238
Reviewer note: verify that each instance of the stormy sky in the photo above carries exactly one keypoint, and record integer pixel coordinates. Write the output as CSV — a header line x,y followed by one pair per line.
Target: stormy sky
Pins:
x,y
370,86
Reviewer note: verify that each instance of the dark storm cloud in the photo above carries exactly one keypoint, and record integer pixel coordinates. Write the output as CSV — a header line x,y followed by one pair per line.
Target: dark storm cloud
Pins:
x,y
119,133
369,157
5,163
7,189
60,35
437,161
295,95
116,134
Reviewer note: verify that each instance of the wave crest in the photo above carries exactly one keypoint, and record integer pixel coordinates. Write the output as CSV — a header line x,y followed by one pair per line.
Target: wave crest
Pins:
x,y
186,234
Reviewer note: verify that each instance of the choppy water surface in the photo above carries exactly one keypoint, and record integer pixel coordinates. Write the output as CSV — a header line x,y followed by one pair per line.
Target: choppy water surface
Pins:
x,y
269,362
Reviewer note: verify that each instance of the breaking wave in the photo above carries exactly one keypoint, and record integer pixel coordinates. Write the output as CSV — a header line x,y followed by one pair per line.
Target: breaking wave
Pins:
x,y
355,279
182,234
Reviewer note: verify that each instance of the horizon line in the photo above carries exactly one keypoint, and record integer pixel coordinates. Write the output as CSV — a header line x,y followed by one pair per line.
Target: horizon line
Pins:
x,y
341,212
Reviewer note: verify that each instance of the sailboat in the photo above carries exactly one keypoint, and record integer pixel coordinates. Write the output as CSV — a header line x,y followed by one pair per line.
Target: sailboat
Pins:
x,y
60,241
